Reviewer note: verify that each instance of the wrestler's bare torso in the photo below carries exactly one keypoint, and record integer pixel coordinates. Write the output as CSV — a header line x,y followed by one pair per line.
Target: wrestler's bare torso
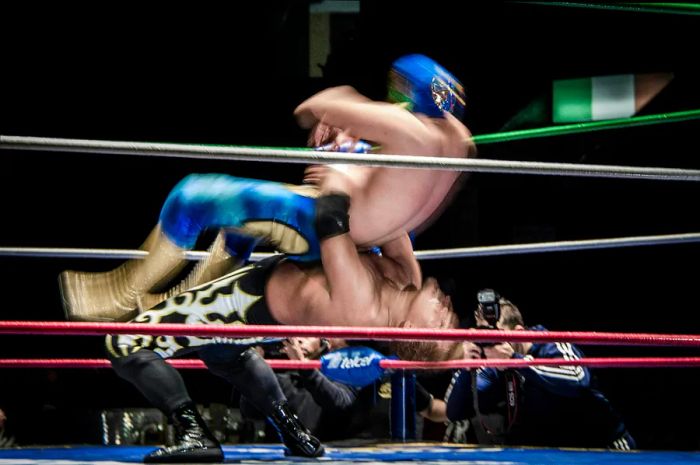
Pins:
x,y
301,295
388,202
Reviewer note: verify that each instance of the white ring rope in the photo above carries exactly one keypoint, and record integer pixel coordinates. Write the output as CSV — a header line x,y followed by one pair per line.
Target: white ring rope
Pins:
x,y
210,152
558,246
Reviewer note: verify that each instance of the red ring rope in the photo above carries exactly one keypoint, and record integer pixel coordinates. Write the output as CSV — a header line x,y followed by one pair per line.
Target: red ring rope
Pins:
x,y
345,332
600,362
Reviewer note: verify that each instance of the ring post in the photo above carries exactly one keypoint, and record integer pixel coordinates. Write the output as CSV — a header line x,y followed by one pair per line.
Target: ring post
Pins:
x,y
403,405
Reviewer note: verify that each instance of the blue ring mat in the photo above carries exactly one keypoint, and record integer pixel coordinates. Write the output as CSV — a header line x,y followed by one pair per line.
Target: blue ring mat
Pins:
x,y
401,453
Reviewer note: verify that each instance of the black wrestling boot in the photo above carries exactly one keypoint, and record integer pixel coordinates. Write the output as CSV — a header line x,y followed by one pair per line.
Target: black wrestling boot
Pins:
x,y
294,434
193,440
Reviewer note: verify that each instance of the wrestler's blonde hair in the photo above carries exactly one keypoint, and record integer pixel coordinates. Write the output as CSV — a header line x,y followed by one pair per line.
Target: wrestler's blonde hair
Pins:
x,y
423,351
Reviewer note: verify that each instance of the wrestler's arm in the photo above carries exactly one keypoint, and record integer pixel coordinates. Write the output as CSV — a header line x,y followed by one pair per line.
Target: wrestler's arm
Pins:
x,y
401,251
351,284
378,122
307,113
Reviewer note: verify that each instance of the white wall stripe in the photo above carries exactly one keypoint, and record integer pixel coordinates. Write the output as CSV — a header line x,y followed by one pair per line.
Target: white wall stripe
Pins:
x,y
612,97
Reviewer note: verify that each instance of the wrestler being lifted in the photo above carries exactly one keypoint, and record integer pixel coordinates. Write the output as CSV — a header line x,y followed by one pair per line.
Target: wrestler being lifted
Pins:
x,y
351,288
386,202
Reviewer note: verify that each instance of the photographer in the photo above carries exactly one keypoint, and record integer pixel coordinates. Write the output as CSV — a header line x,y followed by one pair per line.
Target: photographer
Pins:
x,y
538,406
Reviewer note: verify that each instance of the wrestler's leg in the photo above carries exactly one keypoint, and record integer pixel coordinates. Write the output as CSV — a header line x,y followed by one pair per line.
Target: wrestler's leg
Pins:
x,y
165,389
112,295
273,212
256,381
160,383
281,215
140,359
228,252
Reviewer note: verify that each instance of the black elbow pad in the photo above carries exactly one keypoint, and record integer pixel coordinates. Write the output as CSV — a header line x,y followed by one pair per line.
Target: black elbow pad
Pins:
x,y
332,218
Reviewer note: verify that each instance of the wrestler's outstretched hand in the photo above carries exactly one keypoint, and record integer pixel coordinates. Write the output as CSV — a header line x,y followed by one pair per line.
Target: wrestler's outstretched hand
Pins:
x,y
314,174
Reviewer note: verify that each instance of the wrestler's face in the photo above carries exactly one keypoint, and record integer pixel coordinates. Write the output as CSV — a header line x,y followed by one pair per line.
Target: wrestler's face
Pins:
x,y
431,308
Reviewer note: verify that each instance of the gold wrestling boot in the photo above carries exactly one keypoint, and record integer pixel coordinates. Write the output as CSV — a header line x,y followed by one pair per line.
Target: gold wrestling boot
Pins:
x,y
217,264
114,295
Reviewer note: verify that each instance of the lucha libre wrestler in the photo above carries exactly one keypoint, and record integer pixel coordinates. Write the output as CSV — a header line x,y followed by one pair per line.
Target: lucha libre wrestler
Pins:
x,y
351,288
386,202
288,289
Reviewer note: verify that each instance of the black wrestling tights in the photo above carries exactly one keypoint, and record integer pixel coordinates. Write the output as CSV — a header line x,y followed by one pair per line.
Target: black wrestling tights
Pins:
x,y
159,382
248,372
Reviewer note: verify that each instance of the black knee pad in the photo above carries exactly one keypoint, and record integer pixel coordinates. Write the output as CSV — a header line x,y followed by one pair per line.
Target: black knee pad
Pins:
x,y
135,359
140,356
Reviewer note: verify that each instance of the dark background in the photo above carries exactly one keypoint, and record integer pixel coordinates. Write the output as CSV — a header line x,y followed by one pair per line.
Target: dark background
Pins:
x,y
234,76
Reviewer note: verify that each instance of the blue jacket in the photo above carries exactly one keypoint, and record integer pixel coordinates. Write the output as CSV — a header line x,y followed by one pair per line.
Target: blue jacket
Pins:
x,y
551,406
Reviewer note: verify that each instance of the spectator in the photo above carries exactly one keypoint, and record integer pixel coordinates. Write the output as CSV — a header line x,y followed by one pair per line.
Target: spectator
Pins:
x,y
539,406
332,410
5,439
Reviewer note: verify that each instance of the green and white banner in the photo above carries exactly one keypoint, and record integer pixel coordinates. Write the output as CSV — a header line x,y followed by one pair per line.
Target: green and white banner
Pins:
x,y
594,98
